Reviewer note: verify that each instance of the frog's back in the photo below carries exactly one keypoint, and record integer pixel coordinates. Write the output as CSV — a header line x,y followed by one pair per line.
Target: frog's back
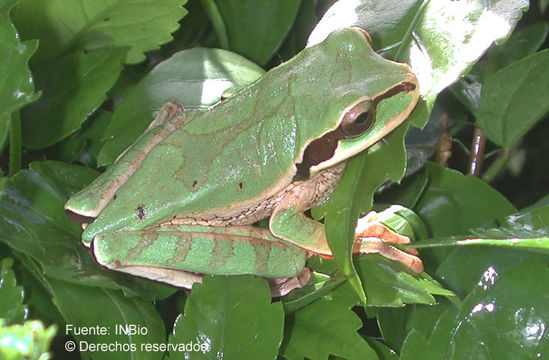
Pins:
x,y
212,163
247,148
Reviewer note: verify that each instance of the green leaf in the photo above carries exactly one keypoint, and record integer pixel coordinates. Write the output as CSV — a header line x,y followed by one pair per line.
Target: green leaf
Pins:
x,y
16,88
504,317
296,39
451,36
382,350
231,318
453,203
28,341
409,192
197,78
513,99
525,230
83,146
256,28
73,87
522,42
395,323
386,21
67,25
86,307
389,283
12,309
326,327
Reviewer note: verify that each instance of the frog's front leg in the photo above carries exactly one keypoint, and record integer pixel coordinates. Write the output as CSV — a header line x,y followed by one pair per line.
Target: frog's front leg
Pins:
x,y
180,254
288,222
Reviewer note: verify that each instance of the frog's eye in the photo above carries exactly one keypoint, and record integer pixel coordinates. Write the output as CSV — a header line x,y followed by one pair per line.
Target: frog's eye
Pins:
x,y
358,119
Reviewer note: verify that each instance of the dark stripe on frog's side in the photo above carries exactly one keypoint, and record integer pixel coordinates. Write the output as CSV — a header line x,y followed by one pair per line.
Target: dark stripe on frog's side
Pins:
x,y
262,255
147,240
182,249
223,250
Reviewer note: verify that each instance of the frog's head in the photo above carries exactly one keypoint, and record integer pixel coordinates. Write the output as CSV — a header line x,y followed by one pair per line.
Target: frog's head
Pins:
x,y
360,98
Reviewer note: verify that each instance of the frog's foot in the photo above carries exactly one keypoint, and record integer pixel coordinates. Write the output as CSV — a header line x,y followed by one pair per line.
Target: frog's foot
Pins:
x,y
371,236
282,286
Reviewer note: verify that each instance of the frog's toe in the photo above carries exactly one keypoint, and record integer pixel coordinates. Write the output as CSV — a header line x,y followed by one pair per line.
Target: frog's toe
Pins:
x,y
282,286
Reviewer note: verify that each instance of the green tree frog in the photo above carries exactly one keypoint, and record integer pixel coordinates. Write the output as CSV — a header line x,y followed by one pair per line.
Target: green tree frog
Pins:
x,y
181,201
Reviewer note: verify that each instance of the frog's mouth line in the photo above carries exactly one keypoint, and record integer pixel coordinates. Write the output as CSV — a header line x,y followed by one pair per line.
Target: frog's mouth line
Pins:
x,y
324,147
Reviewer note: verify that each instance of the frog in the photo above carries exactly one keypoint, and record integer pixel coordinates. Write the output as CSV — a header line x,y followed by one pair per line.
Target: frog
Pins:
x,y
185,198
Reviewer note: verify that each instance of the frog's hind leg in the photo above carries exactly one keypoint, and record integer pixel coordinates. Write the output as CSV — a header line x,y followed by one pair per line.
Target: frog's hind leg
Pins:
x,y
179,254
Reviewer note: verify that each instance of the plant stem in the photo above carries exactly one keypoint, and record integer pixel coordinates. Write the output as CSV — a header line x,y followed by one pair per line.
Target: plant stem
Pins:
x,y
497,165
476,155
217,21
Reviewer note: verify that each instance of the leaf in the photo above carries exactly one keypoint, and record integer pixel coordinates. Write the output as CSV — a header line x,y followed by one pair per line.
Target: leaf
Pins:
x,y
408,193
73,87
396,323
326,327
522,42
16,88
388,283
525,230
385,21
453,203
28,341
231,318
83,146
256,28
84,25
12,309
354,195
504,317
296,39
196,77
85,307
382,350
513,99
34,224
452,36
